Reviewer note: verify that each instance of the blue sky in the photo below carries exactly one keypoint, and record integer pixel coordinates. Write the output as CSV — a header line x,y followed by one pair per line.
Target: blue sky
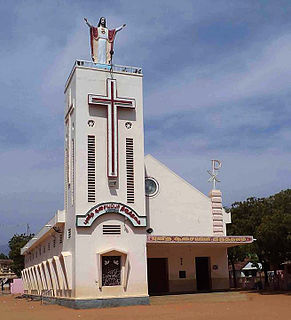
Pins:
x,y
216,85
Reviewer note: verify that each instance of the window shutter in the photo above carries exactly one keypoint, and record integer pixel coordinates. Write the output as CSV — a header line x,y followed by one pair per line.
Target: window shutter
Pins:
x,y
129,170
91,168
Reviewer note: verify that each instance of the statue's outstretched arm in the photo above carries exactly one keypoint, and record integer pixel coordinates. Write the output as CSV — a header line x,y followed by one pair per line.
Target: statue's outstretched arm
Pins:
x,y
120,28
87,23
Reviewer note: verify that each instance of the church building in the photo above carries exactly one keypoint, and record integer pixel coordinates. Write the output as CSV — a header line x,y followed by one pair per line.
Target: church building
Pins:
x,y
130,227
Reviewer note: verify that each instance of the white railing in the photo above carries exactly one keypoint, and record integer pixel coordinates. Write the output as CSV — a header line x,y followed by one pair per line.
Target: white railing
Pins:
x,y
112,67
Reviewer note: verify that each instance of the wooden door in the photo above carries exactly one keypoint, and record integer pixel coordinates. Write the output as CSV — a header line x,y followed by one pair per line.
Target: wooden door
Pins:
x,y
202,273
158,282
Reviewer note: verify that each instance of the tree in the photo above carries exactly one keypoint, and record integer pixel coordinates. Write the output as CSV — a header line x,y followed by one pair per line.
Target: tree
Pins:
x,y
269,221
236,254
15,244
3,256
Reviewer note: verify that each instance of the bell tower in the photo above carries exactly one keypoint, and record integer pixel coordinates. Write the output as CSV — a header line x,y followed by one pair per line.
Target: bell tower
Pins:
x,y
104,137
104,172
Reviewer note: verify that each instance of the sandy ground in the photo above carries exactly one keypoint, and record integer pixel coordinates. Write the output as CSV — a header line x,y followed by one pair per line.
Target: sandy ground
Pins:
x,y
218,306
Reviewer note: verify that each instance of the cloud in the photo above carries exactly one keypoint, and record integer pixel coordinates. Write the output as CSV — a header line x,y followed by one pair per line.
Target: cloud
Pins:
x,y
262,69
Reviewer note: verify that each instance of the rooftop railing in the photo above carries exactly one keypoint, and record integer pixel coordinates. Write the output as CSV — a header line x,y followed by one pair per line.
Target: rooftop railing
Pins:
x,y
113,67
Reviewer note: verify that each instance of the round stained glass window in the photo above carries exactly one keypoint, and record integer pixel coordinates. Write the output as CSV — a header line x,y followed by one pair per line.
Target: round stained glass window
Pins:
x,y
151,187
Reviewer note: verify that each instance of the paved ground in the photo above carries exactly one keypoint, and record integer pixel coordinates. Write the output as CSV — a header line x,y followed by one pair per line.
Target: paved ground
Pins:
x,y
207,306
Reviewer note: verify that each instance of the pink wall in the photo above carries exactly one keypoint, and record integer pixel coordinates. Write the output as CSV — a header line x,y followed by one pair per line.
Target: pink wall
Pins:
x,y
17,286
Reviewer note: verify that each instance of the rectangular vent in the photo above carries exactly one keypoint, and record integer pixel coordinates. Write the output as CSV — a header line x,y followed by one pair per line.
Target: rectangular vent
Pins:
x,y
91,168
111,229
129,170
69,233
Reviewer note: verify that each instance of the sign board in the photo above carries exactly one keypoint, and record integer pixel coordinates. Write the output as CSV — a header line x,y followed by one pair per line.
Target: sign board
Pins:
x,y
200,239
87,219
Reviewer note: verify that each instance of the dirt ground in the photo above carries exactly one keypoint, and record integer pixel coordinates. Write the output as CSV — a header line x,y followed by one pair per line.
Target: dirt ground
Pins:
x,y
208,306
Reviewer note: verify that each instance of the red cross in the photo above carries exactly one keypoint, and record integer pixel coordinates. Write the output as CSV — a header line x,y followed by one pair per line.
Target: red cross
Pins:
x,y
112,102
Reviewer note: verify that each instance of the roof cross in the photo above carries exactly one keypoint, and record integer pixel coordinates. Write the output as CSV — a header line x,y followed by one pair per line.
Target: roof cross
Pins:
x,y
216,165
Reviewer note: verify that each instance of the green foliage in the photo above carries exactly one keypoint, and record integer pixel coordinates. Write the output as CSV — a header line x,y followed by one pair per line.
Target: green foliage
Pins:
x,y
3,256
269,221
15,244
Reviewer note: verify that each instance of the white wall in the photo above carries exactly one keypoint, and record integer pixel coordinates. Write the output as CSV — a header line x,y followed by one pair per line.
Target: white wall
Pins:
x,y
91,241
178,208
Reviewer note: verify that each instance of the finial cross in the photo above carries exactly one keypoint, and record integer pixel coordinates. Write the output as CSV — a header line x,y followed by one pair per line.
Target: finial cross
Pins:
x,y
216,165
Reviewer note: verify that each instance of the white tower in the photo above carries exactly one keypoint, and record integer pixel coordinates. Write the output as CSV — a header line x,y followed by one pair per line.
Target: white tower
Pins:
x,y
104,183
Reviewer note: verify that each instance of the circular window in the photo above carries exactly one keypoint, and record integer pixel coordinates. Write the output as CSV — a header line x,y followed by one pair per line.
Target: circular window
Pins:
x,y
151,187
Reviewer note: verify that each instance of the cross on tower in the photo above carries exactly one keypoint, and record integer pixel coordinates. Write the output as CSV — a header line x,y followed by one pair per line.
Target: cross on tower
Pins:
x,y
112,102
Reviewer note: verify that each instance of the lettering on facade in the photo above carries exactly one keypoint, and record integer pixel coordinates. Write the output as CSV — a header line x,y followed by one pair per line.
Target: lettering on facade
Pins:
x,y
200,239
110,207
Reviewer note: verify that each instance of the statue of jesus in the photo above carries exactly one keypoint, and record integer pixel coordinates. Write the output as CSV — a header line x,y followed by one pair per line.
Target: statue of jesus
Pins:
x,y
101,40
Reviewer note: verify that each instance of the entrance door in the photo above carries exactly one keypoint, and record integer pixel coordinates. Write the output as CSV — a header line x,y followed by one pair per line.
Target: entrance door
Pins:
x,y
202,273
158,282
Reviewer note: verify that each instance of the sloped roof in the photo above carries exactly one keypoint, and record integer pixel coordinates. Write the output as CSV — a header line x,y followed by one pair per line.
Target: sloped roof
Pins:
x,y
149,156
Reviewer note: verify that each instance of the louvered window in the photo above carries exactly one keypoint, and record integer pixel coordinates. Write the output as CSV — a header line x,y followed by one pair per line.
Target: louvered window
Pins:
x,y
129,170
111,229
67,171
72,171
91,168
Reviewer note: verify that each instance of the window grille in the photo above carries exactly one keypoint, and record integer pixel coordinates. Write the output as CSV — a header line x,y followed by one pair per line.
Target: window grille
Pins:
x,y
111,229
69,233
111,271
129,170
91,168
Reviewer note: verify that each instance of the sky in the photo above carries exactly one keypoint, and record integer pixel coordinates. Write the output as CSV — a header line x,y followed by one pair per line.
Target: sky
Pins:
x,y
216,86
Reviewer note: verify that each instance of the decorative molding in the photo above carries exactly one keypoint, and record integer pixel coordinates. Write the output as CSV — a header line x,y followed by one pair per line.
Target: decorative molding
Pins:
x,y
216,210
